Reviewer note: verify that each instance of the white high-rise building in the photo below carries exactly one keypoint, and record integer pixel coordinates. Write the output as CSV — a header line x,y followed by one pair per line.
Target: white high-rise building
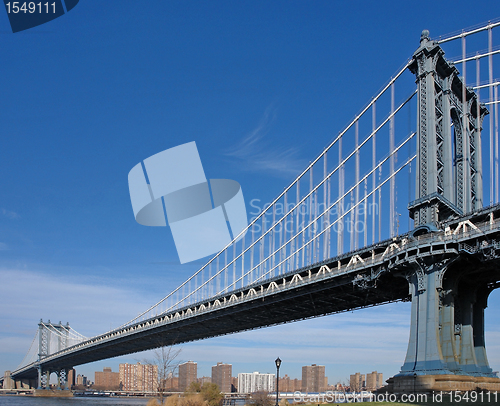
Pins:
x,y
255,382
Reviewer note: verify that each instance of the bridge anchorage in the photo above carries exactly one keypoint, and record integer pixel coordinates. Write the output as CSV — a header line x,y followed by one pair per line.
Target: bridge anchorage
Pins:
x,y
300,258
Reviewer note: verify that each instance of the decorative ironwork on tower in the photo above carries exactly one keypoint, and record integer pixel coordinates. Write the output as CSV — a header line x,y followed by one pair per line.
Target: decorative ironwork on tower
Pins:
x,y
449,174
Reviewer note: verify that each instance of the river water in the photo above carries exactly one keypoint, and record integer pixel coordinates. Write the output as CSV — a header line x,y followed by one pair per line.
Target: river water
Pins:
x,y
76,401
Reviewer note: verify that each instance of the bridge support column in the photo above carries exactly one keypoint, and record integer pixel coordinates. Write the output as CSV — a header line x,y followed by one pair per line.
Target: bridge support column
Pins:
x,y
8,382
25,383
62,379
478,331
424,354
446,349
43,378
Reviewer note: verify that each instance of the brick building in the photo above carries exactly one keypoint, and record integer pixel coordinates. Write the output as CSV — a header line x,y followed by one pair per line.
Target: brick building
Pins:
x,y
357,382
139,377
107,380
313,378
221,375
374,381
290,385
188,372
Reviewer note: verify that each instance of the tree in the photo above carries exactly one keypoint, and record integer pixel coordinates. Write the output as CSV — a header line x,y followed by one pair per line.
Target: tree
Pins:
x,y
211,394
165,359
194,387
196,394
192,400
261,398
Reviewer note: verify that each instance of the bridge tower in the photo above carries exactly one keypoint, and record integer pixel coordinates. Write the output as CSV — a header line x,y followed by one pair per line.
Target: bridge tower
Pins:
x,y
446,348
449,169
52,338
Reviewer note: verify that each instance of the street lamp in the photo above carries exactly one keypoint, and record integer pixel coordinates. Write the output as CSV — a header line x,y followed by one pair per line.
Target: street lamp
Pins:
x,y
278,364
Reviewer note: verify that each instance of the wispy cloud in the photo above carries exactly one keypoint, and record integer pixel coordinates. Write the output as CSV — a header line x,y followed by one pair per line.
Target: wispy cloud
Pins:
x,y
9,214
89,308
258,153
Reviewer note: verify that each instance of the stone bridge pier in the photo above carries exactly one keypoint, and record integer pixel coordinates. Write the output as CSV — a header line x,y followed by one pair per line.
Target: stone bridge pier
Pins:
x,y
25,384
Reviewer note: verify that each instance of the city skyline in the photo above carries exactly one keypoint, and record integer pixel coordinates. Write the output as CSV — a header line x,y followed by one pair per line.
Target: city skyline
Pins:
x,y
260,83
313,379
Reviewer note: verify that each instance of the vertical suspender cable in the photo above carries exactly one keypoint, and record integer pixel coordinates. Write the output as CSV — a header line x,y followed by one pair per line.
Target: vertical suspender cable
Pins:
x,y
303,232
243,260
340,232
217,278
365,207
292,242
478,109
374,176
234,262
226,270
313,226
356,210
315,229
325,216
392,208
380,205
492,147
310,209
495,108
351,223
329,241
252,252
282,225
297,223
272,238
262,244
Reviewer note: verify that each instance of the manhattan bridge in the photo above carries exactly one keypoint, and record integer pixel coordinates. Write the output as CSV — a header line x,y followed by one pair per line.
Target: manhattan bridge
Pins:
x,y
334,241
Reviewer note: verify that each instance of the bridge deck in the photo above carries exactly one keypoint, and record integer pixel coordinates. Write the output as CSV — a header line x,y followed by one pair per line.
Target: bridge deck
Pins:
x,y
367,277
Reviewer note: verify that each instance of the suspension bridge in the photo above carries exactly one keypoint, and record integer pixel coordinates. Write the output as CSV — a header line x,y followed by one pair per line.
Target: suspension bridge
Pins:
x,y
334,241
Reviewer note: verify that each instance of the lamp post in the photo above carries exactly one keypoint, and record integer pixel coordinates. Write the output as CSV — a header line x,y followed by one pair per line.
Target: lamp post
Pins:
x,y
278,364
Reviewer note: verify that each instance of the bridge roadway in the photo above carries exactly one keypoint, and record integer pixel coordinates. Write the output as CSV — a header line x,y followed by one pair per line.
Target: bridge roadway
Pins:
x,y
370,276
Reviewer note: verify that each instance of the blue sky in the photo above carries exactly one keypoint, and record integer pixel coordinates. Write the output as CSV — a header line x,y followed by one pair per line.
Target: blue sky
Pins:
x,y
87,96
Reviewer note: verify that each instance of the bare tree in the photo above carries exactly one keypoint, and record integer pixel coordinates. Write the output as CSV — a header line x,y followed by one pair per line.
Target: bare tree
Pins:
x,y
165,361
165,357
